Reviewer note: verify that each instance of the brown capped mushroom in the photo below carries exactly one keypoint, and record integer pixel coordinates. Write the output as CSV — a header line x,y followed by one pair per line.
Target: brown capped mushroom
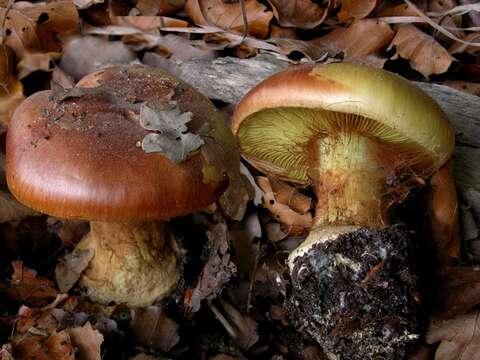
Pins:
x,y
361,138
128,148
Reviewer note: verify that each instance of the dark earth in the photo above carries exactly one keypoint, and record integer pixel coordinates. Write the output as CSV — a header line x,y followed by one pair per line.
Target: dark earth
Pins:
x,y
357,295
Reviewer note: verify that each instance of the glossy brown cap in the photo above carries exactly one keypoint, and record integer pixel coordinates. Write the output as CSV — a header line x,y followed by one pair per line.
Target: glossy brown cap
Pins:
x,y
80,157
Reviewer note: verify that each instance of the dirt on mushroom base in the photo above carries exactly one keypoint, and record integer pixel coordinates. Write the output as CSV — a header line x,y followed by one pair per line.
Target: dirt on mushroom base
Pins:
x,y
357,295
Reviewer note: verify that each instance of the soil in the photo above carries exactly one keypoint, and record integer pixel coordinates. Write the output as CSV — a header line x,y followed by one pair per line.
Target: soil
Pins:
x,y
357,295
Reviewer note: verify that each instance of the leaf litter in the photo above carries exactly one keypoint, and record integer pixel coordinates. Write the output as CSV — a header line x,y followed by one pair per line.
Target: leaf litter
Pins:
x,y
238,282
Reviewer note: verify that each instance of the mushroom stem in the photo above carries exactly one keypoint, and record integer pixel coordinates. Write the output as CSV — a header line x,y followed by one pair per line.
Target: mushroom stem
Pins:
x,y
348,181
133,263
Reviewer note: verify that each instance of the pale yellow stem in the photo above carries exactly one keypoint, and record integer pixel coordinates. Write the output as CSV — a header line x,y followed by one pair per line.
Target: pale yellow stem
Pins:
x,y
348,181
132,263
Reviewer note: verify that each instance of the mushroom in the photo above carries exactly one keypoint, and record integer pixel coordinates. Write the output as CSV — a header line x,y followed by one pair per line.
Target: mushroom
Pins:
x,y
103,152
361,138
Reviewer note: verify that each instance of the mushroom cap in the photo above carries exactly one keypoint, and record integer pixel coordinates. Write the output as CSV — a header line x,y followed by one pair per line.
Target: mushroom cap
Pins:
x,y
276,120
80,157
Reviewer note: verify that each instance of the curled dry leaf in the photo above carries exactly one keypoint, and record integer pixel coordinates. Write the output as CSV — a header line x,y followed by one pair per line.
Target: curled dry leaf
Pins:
x,y
357,9
442,214
88,342
11,90
459,337
37,27
152,328
303,14
295,222
36,62
361,42
36,336
85,4
228,15
289,195
70,268
217,271
458,48
282,33
28,288
426,55
146,23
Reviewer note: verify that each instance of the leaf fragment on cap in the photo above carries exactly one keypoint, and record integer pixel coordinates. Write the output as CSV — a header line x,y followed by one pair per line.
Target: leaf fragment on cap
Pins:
x,y
171,135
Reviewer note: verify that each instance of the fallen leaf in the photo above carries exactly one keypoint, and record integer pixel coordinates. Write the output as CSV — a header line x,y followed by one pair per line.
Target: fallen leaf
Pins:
x,y
312,51
282,33
357,9
228,15
38,27
442,214
426,55
36,62
70,267
465,86
458,47
246,334
217,270
88,342
28,288
146,23
35,336
152,328
303,14
361,42
81,55
289,195
459,337
397,10
12,210
171,135
457,291
159,7
294,222
69,231
11,89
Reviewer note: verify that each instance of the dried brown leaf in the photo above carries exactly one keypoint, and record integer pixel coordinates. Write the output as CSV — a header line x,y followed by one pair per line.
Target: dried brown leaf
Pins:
x,y
426,55
458,48
36,336
468,87
458,291
311,50
217,271
146,23
11,90
158,7
303,14
459,337
228,15
152,328
361,42
289,195
88,342
295,223
36,62
70,267
85,4
11,209
442,214
27,288
282,33
38,27
357,9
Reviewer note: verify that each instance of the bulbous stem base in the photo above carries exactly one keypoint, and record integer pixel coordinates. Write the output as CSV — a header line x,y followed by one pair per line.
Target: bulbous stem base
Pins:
x,y
132,263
